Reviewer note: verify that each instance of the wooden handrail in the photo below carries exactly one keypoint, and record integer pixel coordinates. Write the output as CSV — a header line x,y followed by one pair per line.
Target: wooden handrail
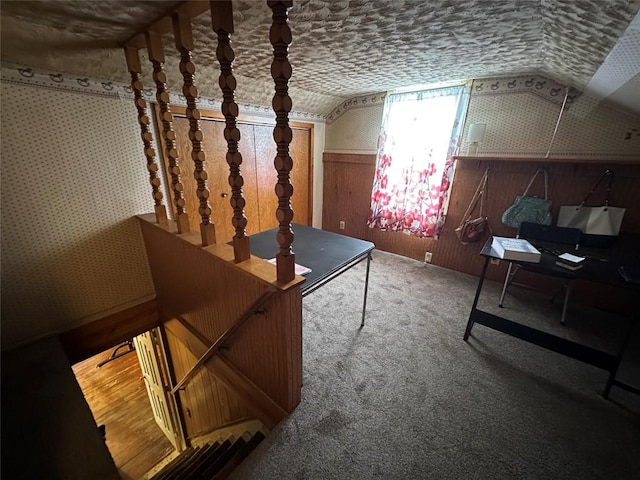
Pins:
x,y
248,313
253,397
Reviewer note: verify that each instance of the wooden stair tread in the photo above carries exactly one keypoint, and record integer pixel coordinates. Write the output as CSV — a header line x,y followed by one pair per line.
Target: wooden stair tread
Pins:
x,y
216,460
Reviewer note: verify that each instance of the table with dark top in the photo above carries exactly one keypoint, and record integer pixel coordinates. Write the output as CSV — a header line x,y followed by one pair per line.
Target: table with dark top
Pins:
x,y
327,254
601,265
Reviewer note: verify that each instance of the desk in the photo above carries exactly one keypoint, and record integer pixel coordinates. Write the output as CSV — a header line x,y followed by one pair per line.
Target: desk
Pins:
x,y
594,270
327,254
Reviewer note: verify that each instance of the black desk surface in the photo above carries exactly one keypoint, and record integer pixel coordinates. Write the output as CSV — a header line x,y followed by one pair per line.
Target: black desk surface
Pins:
x,y
601,264
325,253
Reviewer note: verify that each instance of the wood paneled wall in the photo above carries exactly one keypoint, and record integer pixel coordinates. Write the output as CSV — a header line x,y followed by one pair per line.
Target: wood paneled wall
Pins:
x,y
347,191
205,402
207,290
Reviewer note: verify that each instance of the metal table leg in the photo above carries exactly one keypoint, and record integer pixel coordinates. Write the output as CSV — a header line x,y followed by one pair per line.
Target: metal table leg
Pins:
x,y
366,288
475,300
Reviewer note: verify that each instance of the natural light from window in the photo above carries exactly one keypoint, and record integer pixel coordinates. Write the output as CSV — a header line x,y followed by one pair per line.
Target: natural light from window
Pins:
x,y
414,167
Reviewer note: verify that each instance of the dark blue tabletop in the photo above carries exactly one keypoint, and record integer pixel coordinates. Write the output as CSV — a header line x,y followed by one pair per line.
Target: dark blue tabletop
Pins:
x,y
601,264
325,253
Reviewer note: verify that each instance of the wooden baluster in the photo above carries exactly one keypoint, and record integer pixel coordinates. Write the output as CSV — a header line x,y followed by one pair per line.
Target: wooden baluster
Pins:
x,y
222,24
184,43
280,38
135,69
156,56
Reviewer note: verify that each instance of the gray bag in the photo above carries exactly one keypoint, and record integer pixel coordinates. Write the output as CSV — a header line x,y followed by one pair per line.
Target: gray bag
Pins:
x,y
529,209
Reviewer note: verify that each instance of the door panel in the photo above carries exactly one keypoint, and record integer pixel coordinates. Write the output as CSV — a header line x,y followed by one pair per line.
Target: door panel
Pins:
x,y
300,149
163,407
215,148
258,152
267,176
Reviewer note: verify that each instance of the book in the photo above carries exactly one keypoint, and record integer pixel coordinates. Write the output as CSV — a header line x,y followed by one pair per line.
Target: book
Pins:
x,y
569,266
571,259
515,249
299,269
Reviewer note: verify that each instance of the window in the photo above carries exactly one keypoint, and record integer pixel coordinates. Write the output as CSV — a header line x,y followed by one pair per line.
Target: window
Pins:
x,y
414,166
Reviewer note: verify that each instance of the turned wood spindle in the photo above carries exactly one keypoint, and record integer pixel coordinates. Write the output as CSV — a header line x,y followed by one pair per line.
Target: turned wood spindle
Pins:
x,y
280,38
222,24
184,43
156,56
135,69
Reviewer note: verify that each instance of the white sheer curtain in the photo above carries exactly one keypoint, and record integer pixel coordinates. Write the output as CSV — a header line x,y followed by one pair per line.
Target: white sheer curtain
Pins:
x,y
414,167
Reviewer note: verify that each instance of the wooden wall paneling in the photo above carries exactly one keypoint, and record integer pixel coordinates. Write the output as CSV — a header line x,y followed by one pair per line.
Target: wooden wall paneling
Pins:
x,y
348,179
210,292
347,190
347,193
247,394
206,403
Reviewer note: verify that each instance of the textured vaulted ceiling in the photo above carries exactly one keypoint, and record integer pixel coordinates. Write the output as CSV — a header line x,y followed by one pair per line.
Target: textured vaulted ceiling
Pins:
x,y
341,49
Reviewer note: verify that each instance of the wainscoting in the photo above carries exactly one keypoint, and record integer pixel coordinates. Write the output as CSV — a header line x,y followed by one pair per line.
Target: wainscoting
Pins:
x,y
347,190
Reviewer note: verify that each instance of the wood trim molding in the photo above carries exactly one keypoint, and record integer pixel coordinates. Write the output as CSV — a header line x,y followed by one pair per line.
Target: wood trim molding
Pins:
x,y
359,158
598,161
255,266
87,340
179,110
253,398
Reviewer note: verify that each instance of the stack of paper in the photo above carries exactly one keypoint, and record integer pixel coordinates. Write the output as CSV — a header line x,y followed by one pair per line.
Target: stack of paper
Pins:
x,y
299,269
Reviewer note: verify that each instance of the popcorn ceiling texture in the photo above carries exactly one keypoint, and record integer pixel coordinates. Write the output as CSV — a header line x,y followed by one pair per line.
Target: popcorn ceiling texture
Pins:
x,y
68,197
341,49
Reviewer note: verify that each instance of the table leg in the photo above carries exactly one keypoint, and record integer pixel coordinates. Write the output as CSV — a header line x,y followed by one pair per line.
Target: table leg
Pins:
x,y
475,300
612,373
366,288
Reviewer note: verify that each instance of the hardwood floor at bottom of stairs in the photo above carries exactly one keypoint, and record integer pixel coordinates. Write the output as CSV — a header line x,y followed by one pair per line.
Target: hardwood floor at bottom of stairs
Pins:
x,y
118,399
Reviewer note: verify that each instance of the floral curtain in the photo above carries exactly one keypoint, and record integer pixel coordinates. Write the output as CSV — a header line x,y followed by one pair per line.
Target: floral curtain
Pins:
x,y
414,166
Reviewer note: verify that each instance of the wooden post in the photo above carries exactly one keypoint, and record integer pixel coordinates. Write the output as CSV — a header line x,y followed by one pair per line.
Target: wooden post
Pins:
x,y
156,56
133,64
184,43
222,24
280,38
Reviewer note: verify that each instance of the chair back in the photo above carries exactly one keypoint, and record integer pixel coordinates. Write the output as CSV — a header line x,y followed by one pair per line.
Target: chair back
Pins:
x,y
550,233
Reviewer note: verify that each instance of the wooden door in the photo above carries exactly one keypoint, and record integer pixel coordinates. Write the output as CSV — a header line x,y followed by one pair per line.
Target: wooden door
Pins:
x,y
301,175
300,151
258,151
215,148
152,363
